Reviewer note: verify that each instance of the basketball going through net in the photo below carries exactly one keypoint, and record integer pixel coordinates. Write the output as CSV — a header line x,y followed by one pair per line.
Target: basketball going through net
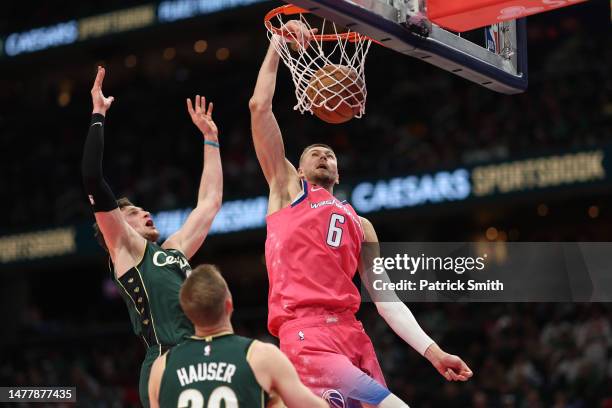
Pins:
x,y
329,72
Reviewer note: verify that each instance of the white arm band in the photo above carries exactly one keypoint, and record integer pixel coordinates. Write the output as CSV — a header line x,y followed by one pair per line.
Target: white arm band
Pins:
x,y
402,322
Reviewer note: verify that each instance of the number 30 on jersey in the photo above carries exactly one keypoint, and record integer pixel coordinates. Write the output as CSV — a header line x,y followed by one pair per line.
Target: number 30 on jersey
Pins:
x,y
192,398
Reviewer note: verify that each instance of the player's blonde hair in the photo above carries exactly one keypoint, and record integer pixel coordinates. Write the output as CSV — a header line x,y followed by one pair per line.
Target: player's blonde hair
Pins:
x,y
307,148
203,295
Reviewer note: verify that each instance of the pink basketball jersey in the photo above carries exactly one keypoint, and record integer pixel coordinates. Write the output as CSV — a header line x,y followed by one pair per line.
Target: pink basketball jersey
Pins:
x,y
312,253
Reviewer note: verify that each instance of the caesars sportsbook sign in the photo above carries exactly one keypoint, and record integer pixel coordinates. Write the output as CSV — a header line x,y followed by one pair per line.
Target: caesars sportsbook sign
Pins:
x,y
518,176
566,170
569,170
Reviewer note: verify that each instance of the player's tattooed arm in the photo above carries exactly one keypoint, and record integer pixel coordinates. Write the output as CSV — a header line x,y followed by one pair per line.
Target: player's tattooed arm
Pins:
x,y
124,244
189,238
275,374
280,174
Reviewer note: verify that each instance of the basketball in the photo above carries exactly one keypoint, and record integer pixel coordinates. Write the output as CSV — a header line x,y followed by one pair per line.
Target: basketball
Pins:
x,y
336,92
222,182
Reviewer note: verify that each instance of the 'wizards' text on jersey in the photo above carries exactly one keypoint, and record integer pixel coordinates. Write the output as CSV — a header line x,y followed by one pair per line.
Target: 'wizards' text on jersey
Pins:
x,y
312,253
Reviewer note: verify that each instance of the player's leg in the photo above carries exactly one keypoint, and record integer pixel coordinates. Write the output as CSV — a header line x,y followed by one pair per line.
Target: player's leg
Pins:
x,y
392,401
328,373
370,365
360,389
357,389
326,358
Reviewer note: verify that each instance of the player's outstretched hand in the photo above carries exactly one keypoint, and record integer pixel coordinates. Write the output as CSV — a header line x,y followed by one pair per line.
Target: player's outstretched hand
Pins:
x,y
100,103
449,366
202,117
297,32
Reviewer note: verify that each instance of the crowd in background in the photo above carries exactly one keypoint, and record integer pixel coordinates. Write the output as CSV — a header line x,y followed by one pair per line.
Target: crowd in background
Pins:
x,y
418,118
523,356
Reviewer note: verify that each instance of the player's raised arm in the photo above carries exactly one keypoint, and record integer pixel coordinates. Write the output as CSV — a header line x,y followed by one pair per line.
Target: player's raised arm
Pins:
x,y
191,235
276,375
401,320
124,244
280,174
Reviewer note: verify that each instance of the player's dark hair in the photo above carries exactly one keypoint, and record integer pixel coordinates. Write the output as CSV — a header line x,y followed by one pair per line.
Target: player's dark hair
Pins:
x,y
121,203
307,148
203,295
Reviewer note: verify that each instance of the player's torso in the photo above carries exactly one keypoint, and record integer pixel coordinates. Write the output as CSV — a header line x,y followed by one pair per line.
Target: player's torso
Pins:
x,y
312,253
151,292
212,373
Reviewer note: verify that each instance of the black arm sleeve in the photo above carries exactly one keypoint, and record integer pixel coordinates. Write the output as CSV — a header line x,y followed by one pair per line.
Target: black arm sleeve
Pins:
x,y
100,195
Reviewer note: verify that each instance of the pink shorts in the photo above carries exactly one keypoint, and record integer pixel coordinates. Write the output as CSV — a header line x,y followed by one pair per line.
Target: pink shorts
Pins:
x,y
332,354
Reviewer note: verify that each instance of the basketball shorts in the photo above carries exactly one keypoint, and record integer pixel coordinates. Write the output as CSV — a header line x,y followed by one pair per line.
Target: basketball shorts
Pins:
x,y
335,358
145,371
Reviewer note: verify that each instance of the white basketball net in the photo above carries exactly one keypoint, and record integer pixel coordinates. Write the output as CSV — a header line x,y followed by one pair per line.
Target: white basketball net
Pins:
x,y
304,63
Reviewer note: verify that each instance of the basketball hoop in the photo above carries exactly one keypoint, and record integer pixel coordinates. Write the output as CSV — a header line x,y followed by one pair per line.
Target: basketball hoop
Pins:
x,y
328,73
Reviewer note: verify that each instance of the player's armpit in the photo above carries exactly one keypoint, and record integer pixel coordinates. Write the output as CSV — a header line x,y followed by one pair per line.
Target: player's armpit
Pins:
x,y
282,194
294,184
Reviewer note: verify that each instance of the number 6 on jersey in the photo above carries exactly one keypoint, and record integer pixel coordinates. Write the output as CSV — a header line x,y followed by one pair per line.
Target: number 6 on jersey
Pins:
x,y
334,233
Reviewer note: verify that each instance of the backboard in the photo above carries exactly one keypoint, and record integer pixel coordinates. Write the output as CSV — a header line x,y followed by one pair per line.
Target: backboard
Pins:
x,y
499,63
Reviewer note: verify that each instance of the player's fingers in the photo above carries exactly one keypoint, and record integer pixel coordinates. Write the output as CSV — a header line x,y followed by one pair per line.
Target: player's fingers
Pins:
x,y
203,105
210,109
454,362
467,373
96,87
97,79
197,104
462,378
310,32
100,77
451,375
190,107
111,99
463,369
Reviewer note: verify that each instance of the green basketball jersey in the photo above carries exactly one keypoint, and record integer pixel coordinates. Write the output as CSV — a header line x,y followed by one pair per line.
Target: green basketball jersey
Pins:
x,y
211,372
151,292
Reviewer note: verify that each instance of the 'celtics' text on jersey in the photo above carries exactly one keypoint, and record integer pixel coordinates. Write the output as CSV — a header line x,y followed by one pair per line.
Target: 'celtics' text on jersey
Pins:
x,y
151,293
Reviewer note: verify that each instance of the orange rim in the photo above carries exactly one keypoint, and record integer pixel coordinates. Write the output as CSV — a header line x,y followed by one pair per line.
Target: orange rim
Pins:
x,y
290,10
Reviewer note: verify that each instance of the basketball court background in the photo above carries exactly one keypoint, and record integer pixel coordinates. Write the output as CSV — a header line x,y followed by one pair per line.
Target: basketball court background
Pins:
x,y
65,324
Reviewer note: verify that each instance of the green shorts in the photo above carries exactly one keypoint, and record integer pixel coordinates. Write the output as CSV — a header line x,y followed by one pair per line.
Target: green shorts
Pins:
x,y
145,371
